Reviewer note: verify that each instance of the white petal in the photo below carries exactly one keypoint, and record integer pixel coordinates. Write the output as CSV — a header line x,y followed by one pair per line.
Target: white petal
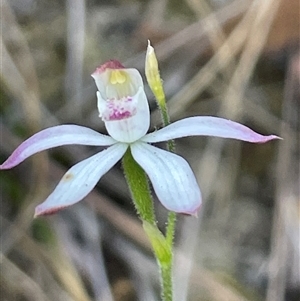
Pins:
x,y
207,126
127,129
136,78
81,179
102,80
53,137
101,74
172,178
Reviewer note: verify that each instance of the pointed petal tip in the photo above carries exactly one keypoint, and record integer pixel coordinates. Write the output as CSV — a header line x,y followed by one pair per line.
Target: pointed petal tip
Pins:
x,y
272,137
40,210
13,160
193,212
4,166
265,139
149,47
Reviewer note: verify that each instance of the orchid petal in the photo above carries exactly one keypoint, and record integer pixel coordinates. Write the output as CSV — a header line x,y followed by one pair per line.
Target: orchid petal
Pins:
x,y
207,126
81,179
135,126
53,137
105,87
172,178
122,102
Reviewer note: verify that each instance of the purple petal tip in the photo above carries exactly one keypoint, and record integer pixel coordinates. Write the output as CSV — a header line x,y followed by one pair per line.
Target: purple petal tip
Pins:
x,y
193,213
269,138
40,211
276,137
6,165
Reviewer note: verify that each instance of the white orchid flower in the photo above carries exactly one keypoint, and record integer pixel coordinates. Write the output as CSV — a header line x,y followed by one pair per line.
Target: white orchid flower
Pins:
x,y
124,109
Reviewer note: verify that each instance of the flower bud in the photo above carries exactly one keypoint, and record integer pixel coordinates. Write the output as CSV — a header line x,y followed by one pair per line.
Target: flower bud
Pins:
x,y
153,77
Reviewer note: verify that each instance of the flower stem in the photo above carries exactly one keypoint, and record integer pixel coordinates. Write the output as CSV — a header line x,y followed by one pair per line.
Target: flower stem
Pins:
x,y
167,285
165,263
139,188
167,267
170,231
163,254
166,121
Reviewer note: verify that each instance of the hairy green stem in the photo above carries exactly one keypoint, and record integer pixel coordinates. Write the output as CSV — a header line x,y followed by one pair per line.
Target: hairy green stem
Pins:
x,y
170,231
139,188
166,278
162,245
166,269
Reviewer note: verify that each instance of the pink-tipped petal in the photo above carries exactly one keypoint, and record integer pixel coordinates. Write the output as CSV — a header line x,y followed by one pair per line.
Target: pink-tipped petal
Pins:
x,y
81,179
53,137
111,64
207,126
171,176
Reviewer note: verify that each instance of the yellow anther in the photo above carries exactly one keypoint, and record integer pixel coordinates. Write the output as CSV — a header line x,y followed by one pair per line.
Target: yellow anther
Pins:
x,y
117,77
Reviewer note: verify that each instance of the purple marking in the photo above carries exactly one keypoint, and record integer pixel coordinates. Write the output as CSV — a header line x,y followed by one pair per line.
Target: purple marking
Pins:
x,y
111,64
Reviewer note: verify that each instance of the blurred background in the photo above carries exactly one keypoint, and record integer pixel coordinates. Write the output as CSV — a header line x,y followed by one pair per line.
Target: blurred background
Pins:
x,y
237,59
